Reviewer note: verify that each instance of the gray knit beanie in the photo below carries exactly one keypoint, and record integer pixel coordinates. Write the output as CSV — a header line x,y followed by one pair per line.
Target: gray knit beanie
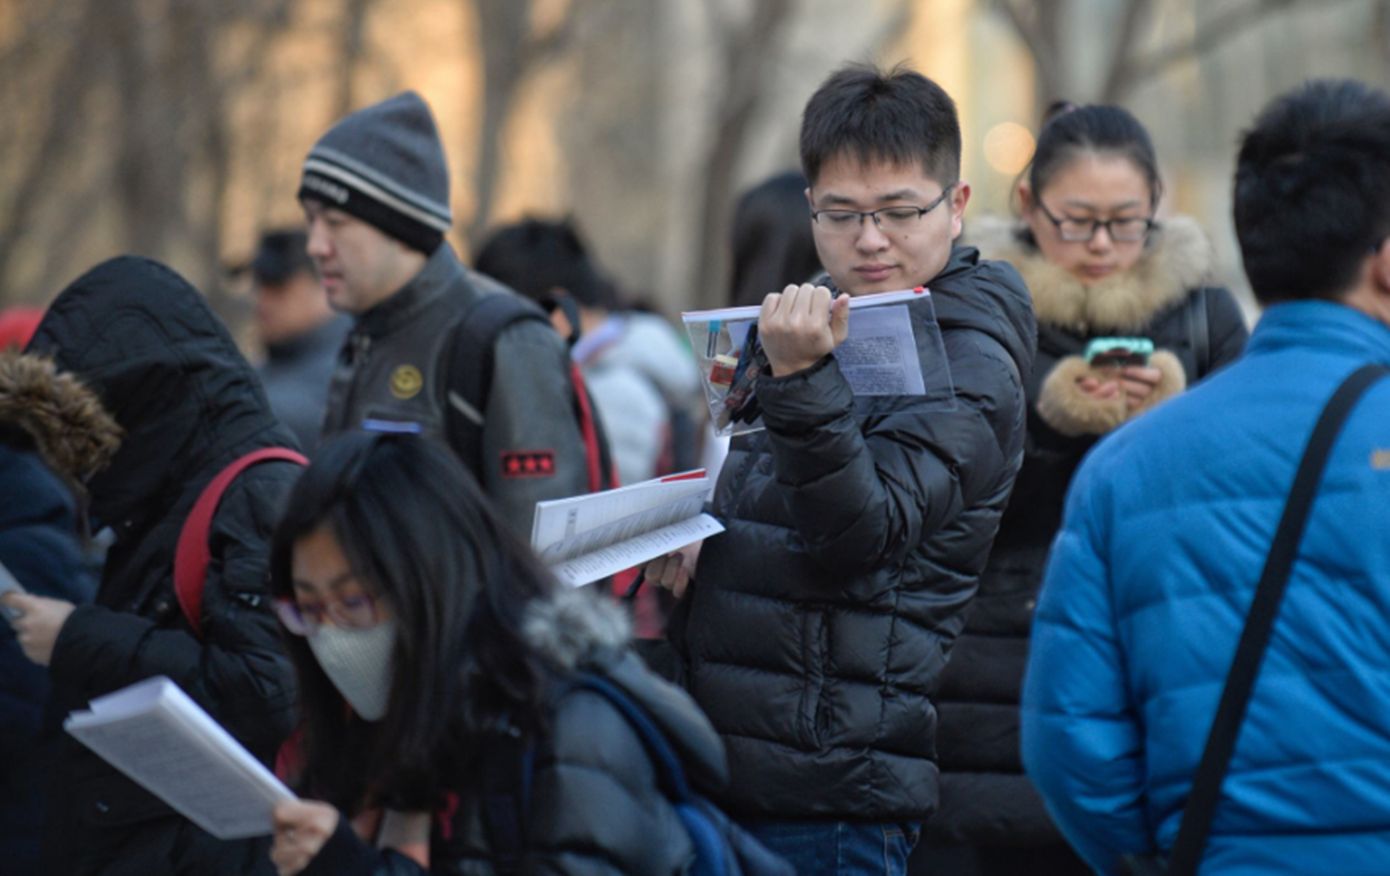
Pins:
x,y
385,165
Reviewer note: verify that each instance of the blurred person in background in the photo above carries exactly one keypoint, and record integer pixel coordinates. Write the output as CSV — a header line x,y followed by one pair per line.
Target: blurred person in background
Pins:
x,y
168,372
17,325
437,688
375,193
53,433
300,332
1097,263
1170,521
548,263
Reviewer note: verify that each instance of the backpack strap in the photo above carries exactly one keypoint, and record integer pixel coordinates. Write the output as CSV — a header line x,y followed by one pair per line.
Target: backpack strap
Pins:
x,y
191,554
1199,332
670,773
1259,625
470,379
471,366
506,777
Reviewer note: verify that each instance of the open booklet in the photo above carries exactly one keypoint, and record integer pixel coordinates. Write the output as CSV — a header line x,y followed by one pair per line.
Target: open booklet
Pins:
x,y
882,355
155,734
585,538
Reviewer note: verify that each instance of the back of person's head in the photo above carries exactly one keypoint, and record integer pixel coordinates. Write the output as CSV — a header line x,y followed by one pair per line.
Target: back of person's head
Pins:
x,y
772,240
898,117
280,256
419,535
1070,132
1312,190
538,258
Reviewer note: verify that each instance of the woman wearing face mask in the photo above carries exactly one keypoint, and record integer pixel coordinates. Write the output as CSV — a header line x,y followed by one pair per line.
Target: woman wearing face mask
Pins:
x,y
432,653
1099,264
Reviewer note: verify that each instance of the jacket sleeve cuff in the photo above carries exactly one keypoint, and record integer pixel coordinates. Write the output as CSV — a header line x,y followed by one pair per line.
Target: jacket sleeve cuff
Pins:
x,y
1064,407
809,398
94,641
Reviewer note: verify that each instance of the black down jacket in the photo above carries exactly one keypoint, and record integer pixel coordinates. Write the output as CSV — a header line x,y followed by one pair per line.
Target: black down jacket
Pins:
x,y
821,618
985,797
168,371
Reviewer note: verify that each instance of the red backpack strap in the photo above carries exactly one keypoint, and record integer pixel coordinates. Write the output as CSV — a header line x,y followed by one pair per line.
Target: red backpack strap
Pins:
x,y
191,555
601,466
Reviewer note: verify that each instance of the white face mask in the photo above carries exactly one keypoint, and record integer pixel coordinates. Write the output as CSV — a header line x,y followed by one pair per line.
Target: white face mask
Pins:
x,y
358,662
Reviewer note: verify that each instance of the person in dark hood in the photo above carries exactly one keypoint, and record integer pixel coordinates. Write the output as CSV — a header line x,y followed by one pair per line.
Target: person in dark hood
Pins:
x,y
819,622
166,369
52,431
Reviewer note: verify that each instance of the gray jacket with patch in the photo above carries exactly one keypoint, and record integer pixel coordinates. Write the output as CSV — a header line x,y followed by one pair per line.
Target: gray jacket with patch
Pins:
x,y
395,367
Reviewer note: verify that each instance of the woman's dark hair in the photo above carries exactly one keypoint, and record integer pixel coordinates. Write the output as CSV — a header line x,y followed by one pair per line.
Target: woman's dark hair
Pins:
x,y
418,532
772,239
1070,130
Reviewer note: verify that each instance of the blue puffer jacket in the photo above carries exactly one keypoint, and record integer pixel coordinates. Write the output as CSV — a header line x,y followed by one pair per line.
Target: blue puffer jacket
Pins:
x,y
1166,531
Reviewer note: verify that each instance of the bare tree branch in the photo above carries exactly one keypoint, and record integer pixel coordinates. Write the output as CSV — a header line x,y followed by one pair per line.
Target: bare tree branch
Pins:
x,y
1136,11
351,50
746,54
1212,33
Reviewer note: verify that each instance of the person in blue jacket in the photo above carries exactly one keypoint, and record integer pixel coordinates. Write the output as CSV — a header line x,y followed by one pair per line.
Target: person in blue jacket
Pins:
x,y
1168,524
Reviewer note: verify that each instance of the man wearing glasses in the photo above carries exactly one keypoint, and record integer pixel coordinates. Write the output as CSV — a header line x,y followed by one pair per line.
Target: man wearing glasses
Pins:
x,y
818,622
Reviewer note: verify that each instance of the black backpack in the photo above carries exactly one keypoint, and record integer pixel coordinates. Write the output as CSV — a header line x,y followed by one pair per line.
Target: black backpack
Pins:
x,y
470,375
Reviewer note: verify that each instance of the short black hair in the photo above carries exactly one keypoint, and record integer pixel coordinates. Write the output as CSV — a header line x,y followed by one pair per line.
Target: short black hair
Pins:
x,y
537,256
1071,130
772,238
1312,189
280,255
898,116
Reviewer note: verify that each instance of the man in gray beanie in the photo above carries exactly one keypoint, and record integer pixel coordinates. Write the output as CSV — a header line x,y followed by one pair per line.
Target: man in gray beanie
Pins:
x,y
375,192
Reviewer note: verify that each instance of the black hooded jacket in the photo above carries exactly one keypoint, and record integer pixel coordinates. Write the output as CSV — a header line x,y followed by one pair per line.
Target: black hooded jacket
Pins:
x,y
820,620
167,370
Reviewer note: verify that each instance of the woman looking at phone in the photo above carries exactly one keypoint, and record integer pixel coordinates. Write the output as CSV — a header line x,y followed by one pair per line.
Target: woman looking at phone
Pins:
x,y
432,652
1125,320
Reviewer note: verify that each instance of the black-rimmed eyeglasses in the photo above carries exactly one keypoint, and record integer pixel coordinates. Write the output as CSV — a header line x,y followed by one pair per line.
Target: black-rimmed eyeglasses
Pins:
x,y
1121,230
888,219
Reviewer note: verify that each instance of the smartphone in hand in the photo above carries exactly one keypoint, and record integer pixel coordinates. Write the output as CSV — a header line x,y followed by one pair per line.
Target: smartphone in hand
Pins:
x,y
1118,352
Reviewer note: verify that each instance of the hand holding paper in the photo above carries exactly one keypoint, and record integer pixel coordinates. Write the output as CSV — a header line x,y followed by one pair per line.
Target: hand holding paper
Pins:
x,y
800,326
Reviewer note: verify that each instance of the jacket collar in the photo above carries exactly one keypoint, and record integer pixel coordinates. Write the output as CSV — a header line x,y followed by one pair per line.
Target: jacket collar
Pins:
x,y
1324,326
441,272
1177,259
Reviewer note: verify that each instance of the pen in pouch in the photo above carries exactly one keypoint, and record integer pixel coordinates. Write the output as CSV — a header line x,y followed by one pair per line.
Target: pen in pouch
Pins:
x,y
635,585
712,340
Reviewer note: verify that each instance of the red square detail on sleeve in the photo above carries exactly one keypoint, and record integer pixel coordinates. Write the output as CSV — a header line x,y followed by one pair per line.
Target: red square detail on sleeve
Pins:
x,y
528,463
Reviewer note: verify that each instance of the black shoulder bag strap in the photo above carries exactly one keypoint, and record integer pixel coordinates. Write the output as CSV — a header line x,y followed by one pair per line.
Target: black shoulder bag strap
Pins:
x,y
1259,624
1199,332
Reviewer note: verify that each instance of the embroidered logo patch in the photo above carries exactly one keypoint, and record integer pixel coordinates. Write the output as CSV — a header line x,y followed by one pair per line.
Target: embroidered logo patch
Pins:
x,y
406,381
528,464
1380,460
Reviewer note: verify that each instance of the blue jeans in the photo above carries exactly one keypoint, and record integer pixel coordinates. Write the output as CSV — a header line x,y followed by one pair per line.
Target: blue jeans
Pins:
x,y
840,848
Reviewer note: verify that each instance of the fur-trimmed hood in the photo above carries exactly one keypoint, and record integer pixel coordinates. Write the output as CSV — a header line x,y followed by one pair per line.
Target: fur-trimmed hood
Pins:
x,y
73,433
571,627
1177,258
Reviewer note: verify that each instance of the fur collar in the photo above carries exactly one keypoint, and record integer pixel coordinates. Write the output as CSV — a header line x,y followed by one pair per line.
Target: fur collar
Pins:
x,y
573,625
73,432
1177,259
